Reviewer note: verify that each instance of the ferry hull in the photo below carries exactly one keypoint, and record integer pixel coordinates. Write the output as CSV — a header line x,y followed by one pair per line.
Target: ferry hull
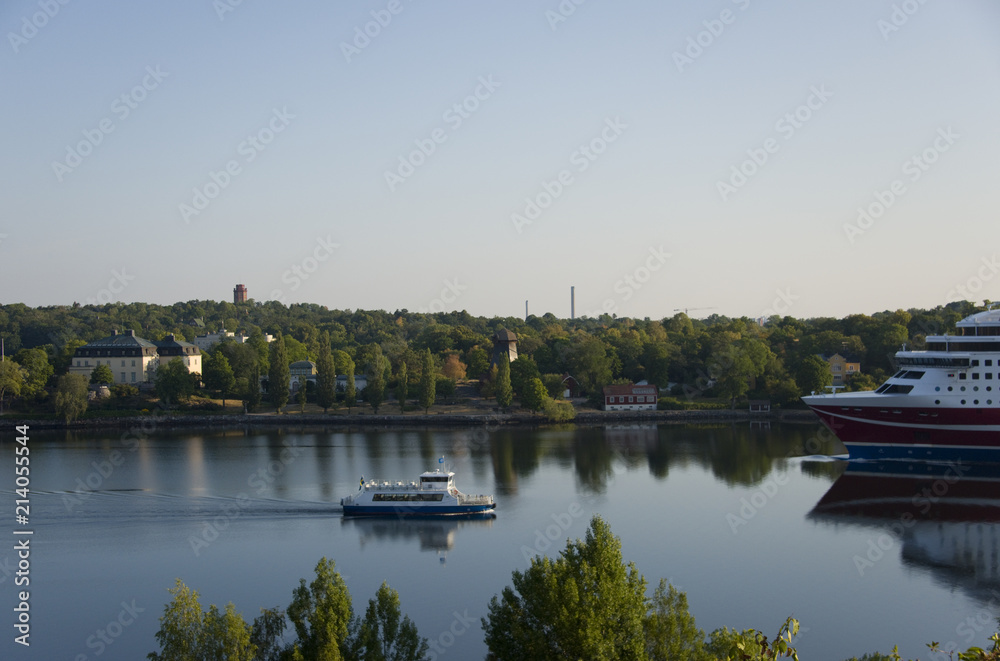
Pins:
x,y
951,434
417,511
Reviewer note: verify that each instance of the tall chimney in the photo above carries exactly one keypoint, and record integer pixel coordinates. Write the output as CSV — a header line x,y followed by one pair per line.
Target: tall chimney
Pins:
x,y
525,310
572,302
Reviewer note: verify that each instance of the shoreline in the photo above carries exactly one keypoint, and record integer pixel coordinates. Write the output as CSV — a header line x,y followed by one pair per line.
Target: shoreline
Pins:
x,y
427,420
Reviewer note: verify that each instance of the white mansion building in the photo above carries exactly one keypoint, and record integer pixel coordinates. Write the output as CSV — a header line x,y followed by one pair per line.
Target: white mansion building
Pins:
x,y
132,359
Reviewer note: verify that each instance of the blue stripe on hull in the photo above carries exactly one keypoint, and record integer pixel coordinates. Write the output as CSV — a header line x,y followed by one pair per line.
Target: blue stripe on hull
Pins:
x,y
923,452
370,510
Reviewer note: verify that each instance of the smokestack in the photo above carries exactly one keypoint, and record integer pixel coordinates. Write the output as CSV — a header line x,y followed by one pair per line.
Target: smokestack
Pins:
x,y
572,302
525,310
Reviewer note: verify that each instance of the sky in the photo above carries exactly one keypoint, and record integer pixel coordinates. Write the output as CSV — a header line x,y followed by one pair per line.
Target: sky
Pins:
x,y
732,157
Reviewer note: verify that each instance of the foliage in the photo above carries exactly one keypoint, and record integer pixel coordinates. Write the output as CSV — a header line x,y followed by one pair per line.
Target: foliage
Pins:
x,y
533,394
974,653
278,375
385,635
402,386
174,382
219,375
250,388
557,410
814,374
321,614
502,389
37,370
428,381
326,374
187,633
375,390
752,645
102,374
522,371
266,634
453,367
71,396
350,390
670,629
586,604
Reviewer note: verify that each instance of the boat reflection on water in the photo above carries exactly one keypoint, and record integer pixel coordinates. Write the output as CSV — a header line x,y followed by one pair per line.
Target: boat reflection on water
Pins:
x,y
433,533
945,517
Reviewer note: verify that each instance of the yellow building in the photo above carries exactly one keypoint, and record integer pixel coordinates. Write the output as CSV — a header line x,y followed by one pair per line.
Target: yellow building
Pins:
x,y
133,360
842,367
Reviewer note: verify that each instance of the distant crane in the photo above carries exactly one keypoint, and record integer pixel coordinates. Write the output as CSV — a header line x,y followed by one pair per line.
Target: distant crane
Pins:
x,y
685,310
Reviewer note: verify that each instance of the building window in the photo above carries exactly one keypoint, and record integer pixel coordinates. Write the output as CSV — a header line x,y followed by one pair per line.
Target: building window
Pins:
x,y
988,363
975,376
133,377
123,363
975,363
123,377
86,363
961,377
133,363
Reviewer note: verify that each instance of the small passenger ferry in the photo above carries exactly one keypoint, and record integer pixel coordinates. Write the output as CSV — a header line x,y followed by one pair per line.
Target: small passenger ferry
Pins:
x,y
434,494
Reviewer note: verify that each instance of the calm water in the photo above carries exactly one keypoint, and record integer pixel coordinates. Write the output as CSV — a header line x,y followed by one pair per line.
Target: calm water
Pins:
x,y
739,518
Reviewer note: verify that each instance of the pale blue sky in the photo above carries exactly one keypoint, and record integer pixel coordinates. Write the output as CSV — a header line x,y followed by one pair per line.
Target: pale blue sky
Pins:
x,y
651,200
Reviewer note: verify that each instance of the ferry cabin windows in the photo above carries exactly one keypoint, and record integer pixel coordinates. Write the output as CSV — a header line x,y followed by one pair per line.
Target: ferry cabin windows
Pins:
x,y
407,497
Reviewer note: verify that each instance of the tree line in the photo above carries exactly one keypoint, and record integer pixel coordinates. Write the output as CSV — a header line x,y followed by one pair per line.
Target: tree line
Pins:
x,y
587,603
419,357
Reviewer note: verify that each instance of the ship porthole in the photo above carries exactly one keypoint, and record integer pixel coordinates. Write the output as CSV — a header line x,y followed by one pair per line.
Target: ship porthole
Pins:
x,y
937,388
937,401
976,402
963,401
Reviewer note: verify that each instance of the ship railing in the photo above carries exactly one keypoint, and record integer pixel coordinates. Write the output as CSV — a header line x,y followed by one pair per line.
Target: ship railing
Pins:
x,y
464,499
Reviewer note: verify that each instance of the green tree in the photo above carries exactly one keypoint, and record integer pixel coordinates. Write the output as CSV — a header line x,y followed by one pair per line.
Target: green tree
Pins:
x,y
428,382
522,371
102,375
173,382
350,390
326,375
71,395
402,386
385,635
375,390
321,614
219,375
266,634
478,361
180,633
225,636
278,376
534,394
589,362
501,387
302,396
587,604
38,369
813,374
670,628
187,633
12,379
250,388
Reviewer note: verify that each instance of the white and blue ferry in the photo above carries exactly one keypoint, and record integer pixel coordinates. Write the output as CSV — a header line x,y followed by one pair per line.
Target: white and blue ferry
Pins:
x,y
434,494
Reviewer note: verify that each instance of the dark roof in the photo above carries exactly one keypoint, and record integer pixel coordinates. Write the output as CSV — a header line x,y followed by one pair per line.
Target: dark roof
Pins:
x,y
169,342
629,389
302,364
119,341
504,335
